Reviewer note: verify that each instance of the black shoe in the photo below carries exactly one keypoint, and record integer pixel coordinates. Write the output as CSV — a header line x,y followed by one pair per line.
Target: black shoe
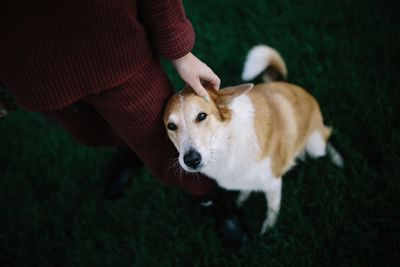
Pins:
x,y
125,166
220,205
233,234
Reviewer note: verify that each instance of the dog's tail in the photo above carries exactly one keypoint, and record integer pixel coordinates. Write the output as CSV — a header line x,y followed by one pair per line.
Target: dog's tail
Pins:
x,y
265,61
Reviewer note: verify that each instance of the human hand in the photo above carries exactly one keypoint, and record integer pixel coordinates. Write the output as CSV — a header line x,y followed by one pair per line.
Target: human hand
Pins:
x,y
194,72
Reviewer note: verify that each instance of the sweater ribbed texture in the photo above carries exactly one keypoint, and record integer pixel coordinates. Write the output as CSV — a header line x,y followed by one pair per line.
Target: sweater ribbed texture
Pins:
x,y
52,53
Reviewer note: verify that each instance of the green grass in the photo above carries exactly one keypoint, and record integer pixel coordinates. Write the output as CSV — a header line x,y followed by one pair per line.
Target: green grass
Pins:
x,y
346,53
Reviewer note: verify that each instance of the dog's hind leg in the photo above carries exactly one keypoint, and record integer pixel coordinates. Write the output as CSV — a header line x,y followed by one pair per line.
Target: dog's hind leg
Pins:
x,y
317,146
335,155
273,195
242,197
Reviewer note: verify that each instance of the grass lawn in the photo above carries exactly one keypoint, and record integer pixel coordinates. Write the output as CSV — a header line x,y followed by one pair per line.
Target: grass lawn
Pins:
x,y
346,53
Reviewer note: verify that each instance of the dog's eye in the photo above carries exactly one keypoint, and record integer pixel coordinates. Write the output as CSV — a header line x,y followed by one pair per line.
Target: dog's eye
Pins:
x,y
202,116
172,126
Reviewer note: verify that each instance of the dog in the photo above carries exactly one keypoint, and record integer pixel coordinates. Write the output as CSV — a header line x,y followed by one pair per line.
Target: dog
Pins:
x,y
249,135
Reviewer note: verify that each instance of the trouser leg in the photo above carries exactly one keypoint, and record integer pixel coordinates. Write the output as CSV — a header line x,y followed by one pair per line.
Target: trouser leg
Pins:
x,y
134,110
86,126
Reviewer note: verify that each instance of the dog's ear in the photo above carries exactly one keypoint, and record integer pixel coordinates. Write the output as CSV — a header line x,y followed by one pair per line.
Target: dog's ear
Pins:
x,y
226,96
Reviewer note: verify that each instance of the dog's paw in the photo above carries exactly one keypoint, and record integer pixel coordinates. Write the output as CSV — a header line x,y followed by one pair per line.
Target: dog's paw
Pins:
x,y
242,197
268,223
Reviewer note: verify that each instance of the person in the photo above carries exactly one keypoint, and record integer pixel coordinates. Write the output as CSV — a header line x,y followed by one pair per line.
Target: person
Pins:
x,y
93,66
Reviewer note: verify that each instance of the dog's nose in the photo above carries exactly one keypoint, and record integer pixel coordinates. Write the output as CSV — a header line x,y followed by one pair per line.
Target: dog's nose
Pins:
x,y
192,158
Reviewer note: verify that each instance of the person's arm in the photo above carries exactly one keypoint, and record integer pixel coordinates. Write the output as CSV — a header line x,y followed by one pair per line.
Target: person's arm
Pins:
x,y
168,28
173,36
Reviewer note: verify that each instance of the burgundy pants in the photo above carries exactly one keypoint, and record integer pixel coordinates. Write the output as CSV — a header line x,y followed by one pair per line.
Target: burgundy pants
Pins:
x,y
131,114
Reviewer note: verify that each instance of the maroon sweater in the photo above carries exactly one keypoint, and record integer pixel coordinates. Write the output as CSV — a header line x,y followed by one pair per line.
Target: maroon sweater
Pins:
x,y
54,52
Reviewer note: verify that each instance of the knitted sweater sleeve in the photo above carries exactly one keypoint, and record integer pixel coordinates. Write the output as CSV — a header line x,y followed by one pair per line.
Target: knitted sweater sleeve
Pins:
x,y
168,28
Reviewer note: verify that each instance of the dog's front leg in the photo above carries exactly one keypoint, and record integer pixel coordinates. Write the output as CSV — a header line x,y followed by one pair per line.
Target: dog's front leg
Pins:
x,y
273,196
242,197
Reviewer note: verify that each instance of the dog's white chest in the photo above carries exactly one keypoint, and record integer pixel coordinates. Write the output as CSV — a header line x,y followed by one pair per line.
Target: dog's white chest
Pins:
x,y
237,166
243,175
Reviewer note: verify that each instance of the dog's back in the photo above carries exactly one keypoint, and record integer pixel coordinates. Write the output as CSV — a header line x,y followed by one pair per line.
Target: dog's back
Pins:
x,y
292,113
285,117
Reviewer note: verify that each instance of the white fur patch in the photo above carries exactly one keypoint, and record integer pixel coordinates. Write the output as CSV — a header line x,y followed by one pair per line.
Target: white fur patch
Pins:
x,y
256,62
186,141
259,58
316,145
273,195
173,118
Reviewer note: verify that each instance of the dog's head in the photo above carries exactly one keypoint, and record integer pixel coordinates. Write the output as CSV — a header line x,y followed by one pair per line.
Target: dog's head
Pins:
x,y
196,127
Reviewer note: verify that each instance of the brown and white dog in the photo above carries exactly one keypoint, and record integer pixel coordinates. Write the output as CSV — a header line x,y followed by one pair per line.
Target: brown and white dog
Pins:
x,y
249,136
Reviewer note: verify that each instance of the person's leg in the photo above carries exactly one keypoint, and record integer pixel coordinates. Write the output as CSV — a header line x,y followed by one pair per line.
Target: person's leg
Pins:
x,y
135,111
89,128
85,125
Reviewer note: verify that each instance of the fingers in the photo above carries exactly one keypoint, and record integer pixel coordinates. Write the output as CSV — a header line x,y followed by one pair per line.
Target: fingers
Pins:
x,y
211,78
198,88
207,77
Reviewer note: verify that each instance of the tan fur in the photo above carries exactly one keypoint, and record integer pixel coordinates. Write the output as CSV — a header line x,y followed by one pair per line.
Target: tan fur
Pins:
x,y
286,115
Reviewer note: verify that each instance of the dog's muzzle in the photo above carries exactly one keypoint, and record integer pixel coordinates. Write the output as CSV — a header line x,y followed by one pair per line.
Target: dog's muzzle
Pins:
x,y
192,159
